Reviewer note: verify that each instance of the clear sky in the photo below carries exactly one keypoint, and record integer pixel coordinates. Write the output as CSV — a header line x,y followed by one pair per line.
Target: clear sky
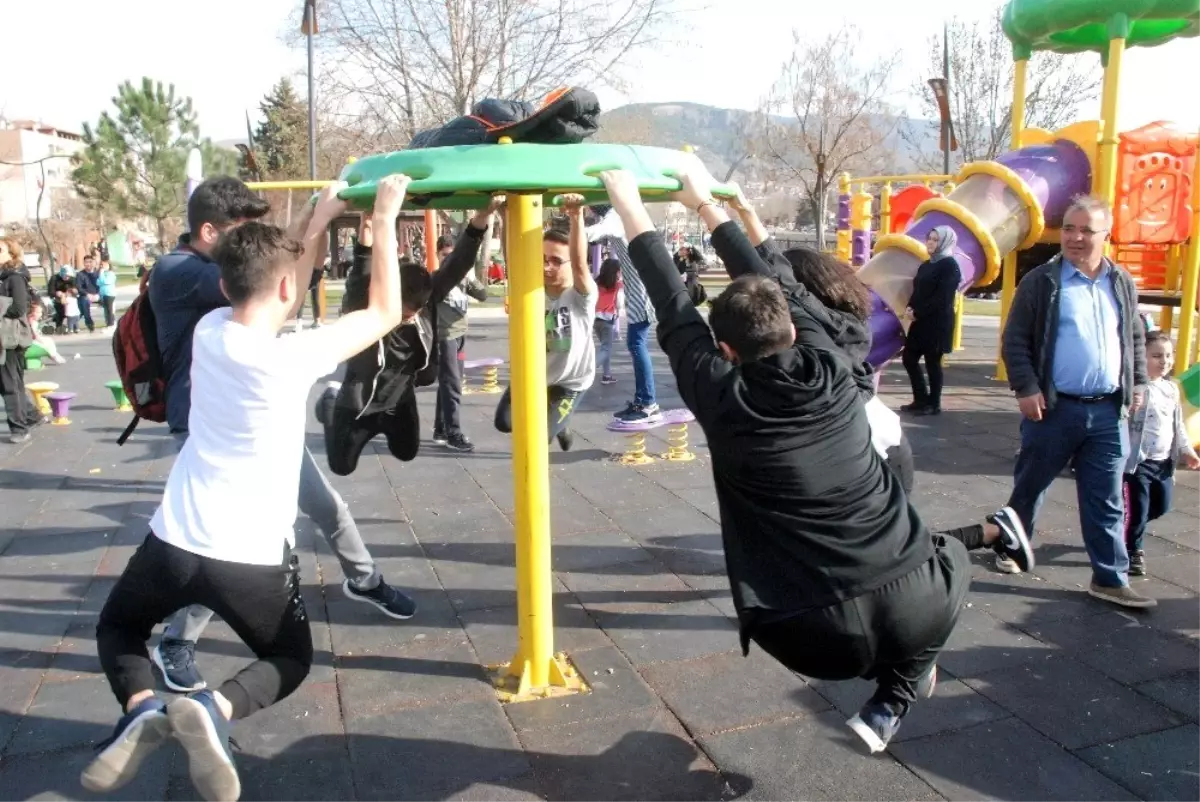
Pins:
x,y
63,60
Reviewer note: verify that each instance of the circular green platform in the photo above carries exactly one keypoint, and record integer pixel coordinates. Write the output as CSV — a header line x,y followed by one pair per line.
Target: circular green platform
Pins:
x,y
1078,26
464,176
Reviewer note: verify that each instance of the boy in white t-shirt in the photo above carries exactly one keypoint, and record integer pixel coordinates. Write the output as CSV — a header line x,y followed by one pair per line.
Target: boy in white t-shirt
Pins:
x,y
223,535
571,297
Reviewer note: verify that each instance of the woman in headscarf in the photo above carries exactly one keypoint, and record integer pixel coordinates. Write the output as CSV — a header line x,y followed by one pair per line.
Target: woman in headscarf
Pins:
x,y
931,333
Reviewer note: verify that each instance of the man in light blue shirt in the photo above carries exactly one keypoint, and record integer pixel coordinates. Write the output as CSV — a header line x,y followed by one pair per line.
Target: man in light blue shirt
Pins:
x,y
1074,347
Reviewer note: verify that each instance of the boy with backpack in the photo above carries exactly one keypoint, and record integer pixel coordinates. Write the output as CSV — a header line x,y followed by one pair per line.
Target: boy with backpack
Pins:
x,y
833,573
223,535
153,344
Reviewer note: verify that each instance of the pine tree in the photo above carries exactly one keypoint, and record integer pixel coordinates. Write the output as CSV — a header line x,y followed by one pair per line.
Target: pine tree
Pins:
x,y
133,164
281,139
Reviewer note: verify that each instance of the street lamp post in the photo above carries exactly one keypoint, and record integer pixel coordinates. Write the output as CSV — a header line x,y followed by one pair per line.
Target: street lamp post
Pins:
x,y
309,28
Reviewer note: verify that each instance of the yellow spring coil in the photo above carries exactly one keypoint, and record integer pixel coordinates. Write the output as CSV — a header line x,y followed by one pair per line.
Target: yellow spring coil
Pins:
x,y
635,450
677,444
491,380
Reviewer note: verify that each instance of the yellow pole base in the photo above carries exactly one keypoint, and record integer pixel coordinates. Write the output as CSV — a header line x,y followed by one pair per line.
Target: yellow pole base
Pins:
x,y
513,681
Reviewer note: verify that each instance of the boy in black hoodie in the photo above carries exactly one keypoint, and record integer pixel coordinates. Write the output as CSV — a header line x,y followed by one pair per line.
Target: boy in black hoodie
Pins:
x,y
832,572
378,393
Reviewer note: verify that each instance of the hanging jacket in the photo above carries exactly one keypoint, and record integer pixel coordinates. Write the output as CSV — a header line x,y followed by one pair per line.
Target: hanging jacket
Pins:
x,y
567,116
378,377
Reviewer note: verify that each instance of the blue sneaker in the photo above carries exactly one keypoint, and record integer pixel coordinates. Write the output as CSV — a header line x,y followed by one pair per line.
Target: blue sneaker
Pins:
x,y
390,601
203,733
640,413
138,733
875,724
176,659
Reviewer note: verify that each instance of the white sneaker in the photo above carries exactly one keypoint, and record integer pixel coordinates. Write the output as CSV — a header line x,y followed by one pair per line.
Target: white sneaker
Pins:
x,y
1007,565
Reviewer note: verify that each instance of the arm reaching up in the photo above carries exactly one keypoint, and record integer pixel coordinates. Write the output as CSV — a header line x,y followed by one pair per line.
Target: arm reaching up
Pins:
x,y
461,260
583,282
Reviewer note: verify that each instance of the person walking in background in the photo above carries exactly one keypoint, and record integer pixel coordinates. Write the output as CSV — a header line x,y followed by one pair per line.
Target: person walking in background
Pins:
x,y
639,315
1158,443
609,307
1075,350
452,333
106,281
931,333
16,292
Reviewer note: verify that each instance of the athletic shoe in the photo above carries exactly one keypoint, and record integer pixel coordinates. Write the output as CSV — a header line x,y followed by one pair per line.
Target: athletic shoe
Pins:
x,y
1137,562
566,439
608,379
1013,543
390,601
203,732
1123,595
176,659
1006,564
914,407
138,733
439,437
927,410
457,442
875,724
639,413
17,438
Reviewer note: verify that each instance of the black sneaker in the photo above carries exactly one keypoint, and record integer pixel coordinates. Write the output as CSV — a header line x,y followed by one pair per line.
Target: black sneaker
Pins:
x,y
203,732
1137,562
566,439
639,413
17,438
390,601
138,733
439,437
176,659
927,410
629,408
1013,544
913,408
875,724
457,442
608,379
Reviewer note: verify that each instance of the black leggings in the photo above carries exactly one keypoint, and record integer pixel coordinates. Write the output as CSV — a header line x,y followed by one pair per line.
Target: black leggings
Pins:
x,y
12,388
900,462
347,435
261,603
107,302
560,405
923,395
892,635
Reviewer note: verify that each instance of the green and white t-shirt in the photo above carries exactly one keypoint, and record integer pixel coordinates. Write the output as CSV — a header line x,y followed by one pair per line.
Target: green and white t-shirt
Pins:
x,y
570,351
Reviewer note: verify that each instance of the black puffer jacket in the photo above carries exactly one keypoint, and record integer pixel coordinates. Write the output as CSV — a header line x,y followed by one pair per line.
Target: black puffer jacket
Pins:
x,y
566,116
378,377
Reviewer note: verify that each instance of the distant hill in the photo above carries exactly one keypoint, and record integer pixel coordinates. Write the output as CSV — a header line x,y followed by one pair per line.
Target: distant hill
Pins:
x,y
716,133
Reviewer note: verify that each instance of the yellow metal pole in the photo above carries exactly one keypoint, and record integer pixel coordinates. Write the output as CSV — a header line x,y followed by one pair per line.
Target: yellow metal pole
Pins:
x,y
531,471
1191,281
956,344
1106,183
1008,270
1166,316
885,208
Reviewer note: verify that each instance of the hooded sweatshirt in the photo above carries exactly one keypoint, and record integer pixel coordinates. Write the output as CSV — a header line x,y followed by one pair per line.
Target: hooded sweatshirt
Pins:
x,y
809,514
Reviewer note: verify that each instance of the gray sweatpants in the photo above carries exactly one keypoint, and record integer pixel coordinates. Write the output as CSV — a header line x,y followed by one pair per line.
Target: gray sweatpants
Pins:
x,y
320,502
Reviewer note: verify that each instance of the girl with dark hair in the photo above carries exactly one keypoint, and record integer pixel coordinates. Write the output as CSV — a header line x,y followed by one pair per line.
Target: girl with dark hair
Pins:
x,y
931,334
608,311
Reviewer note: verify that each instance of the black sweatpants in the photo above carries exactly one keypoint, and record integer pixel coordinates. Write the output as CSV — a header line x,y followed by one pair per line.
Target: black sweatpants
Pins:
x,y
891,635
924,394
560,405
900,462
261,603
12,387
347,434
446,419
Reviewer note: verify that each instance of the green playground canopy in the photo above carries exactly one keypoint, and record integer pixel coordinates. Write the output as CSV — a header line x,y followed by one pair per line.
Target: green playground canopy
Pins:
x,y
1078,26
464,176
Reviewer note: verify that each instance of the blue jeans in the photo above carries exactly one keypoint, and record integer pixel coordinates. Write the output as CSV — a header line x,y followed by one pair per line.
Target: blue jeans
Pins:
x,y
643,370
1096,437
605,332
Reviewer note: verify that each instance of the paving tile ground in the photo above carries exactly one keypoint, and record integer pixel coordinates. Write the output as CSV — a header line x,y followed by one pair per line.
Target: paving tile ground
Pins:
x,y
1045,693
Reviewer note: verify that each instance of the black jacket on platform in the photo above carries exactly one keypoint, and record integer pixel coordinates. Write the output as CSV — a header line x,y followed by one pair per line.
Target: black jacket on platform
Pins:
x,y
809,514
932,302
378,377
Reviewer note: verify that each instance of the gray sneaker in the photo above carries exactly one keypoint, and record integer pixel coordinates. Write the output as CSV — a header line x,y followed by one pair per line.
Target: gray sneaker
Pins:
x,y
1123,595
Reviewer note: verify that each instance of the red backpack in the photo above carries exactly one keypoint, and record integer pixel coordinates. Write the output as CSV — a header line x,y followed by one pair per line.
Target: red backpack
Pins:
x,y
139,364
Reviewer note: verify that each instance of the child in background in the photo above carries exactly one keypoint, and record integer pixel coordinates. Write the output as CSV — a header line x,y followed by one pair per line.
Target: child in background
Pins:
x,y
36,310
609,307
71,310
1156,440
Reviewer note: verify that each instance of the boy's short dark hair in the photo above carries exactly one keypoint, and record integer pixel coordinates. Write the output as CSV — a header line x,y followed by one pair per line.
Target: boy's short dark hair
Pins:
x,y
222,200
250,256
555,234
445,241
751,316
416,284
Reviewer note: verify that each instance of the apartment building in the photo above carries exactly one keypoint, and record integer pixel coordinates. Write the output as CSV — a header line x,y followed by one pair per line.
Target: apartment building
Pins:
x,y
22,144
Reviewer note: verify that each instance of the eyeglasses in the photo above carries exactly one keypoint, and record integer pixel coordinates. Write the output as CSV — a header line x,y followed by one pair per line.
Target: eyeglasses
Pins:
x,y
1085,231
555,261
